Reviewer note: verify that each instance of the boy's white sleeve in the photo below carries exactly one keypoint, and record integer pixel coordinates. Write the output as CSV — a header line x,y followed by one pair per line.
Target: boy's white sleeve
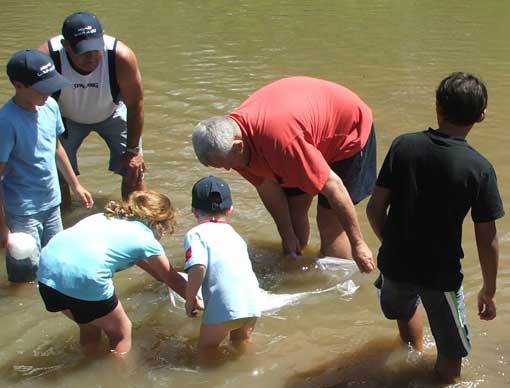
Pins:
x,y
195,251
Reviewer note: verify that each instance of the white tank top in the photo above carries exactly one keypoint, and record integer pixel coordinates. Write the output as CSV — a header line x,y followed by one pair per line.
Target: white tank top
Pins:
x,y
89,99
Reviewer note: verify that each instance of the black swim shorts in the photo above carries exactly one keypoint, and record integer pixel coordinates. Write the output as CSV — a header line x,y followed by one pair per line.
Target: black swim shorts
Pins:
x,y
83,311
358,174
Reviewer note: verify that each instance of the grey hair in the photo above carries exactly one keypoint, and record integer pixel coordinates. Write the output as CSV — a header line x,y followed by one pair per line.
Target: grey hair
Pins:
x,y
213,138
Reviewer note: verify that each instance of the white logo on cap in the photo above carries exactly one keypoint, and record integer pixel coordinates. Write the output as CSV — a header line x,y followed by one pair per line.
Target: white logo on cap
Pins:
x,y
89,30
49,67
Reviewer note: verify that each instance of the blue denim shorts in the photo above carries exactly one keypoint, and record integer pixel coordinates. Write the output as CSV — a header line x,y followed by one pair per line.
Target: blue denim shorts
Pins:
x,y
42,226
445,310
358,174
112,130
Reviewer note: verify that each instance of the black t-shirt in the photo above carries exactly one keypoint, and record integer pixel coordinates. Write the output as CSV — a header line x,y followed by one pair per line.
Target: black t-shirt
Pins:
x,y
434,181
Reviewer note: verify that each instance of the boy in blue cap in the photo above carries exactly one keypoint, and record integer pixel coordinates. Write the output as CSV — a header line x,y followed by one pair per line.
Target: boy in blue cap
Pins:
x,y
217,259
30,154
428,183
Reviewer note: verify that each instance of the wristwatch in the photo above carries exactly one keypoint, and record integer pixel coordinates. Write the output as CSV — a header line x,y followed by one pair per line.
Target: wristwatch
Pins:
x,y
133,150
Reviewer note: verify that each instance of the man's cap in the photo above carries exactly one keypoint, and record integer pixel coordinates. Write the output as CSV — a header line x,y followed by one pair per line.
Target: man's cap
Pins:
x,y
37,70
83,31
211,194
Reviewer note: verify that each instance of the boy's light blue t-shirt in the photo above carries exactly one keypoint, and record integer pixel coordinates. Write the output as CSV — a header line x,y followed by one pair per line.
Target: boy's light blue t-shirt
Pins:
x,y
28,142
230,288
80,261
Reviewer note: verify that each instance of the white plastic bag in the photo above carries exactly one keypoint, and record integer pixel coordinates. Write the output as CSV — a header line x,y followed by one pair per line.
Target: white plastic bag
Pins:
x,y
21,245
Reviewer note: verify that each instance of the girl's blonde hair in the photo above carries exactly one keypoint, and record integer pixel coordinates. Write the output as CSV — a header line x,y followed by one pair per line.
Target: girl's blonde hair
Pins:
x,y
150,207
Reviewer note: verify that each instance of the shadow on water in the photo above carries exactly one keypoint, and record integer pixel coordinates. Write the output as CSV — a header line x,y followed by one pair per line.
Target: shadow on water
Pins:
x,y
382,362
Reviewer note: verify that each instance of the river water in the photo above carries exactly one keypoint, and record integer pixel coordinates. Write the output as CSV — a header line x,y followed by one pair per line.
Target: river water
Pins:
x,y
202,58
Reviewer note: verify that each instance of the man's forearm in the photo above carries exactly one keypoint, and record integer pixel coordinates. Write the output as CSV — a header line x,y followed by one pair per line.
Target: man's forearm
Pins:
x,y
341,203
135,120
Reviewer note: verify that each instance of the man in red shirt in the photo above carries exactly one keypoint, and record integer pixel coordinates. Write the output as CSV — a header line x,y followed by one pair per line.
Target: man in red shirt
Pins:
x,y
293,139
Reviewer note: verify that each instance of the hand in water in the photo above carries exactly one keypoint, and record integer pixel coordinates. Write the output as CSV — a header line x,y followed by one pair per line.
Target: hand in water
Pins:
x,y
291,247
292,256
362,255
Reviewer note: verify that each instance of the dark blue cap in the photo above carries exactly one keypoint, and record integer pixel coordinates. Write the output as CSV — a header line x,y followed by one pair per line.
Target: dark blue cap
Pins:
x,y
211,194
37,70
84,32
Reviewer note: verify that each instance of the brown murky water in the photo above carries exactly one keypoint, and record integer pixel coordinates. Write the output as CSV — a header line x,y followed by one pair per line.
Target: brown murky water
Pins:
x,y
203,58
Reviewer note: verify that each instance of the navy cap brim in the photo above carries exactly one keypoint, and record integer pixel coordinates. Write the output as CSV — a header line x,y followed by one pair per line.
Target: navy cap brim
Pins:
x,y
203,198
51,85
87,45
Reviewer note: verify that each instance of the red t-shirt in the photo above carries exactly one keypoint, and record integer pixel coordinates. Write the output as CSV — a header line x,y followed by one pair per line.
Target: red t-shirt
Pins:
x,y
295,126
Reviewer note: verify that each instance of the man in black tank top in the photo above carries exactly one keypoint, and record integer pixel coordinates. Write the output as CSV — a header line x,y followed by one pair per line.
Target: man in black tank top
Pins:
x,y
80,49
428,183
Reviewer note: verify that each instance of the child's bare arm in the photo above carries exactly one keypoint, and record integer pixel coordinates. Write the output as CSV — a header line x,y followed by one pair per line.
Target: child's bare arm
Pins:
x,y
377,208
159,267
196,276
488,253
64,166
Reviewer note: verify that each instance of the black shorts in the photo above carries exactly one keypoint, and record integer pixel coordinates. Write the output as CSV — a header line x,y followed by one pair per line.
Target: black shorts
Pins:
x,y
84,311
358,174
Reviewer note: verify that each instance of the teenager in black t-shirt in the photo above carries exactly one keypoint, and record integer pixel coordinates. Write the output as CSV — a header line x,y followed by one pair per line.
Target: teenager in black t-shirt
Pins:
x,y
428,183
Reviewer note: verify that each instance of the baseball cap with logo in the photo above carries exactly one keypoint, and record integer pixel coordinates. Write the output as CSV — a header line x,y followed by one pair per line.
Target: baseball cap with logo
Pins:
x,y
84,32
37,70
211,194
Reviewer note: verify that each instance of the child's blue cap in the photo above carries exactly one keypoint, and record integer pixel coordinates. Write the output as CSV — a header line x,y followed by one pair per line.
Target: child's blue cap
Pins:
x,y
37,70
211,194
